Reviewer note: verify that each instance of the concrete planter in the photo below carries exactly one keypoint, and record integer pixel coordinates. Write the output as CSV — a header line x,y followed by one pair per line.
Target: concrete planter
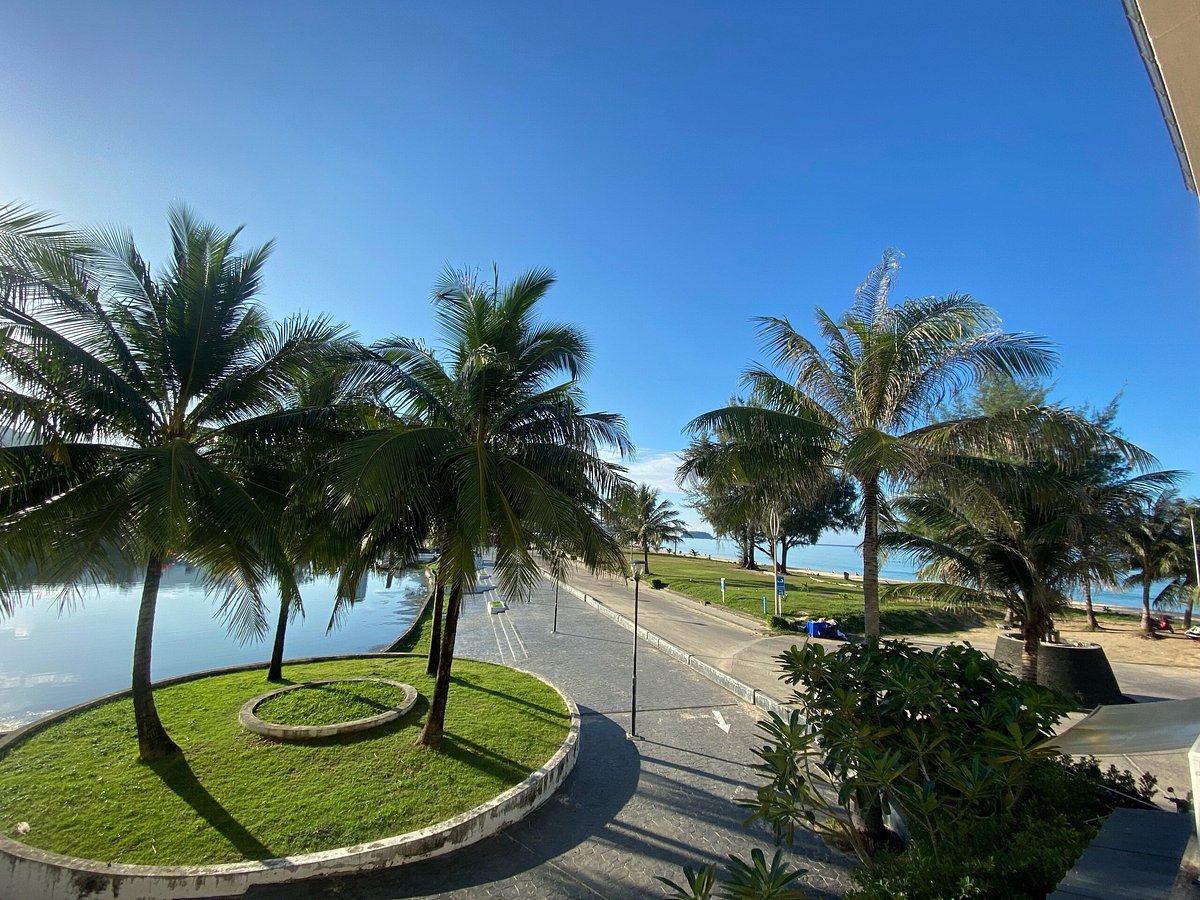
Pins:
x,y
28,873
1081,671
249,720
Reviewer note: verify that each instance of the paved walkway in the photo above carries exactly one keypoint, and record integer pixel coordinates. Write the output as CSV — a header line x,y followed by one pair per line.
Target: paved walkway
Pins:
x,y
636,809
631,810
739,646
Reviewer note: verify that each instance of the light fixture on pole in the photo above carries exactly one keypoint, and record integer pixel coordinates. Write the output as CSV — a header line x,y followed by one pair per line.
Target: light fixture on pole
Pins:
x,y
638,566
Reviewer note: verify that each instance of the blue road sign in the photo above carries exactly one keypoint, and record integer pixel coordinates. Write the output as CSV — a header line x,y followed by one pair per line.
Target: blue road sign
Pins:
x,y
778,584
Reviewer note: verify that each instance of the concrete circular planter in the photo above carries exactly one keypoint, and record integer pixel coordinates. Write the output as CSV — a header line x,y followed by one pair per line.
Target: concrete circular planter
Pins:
x,y
249,720
1080,671
32,874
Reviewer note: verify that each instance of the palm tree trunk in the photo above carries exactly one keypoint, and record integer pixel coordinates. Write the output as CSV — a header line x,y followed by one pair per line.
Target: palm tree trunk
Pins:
x,y
1146,629
646,557
1031,638
275,669
153,740
435,634
871,557
1187,610
1093,625
435,723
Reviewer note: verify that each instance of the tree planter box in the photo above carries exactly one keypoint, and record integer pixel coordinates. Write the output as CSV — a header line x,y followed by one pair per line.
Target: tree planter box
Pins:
x,y
1080,671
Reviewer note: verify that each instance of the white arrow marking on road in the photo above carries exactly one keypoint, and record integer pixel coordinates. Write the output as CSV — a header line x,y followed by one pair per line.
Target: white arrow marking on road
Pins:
x,y
721,723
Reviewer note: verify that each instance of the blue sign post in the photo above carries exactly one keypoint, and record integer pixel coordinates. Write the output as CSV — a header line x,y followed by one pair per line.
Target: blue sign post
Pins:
x,y
778,585
722,590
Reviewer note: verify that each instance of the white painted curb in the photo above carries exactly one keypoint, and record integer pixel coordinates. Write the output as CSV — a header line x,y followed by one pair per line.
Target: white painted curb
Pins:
x,y
27,873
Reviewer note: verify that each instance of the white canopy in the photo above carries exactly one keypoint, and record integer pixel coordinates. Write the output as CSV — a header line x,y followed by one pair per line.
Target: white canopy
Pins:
x,y
1159,727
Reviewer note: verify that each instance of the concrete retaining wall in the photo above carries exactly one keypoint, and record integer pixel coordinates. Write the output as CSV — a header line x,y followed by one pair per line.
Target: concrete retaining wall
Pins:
x,y
27,873
738,688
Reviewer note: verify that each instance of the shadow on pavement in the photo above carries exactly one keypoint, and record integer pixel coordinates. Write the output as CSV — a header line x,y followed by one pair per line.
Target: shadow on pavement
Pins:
x,y
605,778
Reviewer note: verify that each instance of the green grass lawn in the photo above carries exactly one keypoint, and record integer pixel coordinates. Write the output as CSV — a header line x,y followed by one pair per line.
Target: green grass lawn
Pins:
x,y
806,595
328,704
235,795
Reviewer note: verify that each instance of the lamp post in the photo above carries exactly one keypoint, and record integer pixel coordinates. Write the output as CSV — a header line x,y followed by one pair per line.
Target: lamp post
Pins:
x,y
638,566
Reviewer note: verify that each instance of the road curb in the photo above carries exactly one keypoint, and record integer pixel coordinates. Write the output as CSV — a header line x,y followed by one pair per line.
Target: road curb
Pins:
x,y
735,686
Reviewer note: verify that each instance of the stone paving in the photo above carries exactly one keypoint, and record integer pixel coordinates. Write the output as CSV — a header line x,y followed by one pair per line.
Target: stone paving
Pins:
x,y
632,809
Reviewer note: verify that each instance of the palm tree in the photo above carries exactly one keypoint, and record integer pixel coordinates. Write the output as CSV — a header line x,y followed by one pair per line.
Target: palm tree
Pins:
x,y
1011,533
861,406
332,401
1155,549
641,519
491,449
135,397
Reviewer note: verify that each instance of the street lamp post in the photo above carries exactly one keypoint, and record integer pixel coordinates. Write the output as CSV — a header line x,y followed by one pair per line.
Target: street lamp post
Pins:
x,y
638,565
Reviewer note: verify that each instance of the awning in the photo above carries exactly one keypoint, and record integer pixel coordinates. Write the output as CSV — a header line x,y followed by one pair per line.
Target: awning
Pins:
x,y
1159,727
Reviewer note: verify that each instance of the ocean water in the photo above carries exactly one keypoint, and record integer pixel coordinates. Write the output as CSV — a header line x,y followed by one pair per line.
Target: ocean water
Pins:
x,y
49,661
847,557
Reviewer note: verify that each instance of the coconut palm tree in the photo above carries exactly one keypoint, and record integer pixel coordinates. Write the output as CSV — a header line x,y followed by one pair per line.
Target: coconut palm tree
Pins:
x,y
491,449
641,519
331,402
1155,549
861,404
134,398
1011,534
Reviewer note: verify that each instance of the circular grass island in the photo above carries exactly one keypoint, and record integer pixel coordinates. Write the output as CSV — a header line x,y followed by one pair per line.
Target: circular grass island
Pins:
x,y
332,706
235,799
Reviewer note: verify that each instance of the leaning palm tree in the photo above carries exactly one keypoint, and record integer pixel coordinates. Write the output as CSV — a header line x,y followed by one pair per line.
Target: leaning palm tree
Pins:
x,y
642,520
491,448
132,398
861,405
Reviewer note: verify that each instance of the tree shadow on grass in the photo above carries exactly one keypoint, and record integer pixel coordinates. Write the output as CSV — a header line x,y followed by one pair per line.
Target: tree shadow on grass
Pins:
x,y
603,782
176,773
471,686
480,758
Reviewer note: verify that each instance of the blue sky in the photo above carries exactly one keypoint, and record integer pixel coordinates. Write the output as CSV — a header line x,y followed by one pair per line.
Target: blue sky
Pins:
x,y
682,167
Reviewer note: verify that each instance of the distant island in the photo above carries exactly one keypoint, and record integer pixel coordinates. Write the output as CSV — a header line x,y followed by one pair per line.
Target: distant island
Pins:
x,y
704,535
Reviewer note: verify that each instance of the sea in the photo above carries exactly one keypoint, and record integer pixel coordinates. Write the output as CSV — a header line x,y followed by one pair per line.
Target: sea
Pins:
x,y
57,650
847,557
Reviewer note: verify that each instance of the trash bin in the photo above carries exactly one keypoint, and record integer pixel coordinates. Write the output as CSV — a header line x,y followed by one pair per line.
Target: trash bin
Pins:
x,y
821,629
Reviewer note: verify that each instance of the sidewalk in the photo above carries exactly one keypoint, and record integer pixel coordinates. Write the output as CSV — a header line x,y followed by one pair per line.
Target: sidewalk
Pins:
x,y
742,653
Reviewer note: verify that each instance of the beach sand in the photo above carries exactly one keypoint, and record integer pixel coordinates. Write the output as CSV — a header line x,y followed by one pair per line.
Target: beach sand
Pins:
x,y
1121,639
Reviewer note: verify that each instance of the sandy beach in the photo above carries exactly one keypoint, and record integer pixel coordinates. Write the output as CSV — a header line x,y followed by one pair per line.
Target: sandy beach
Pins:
x,y
1121,639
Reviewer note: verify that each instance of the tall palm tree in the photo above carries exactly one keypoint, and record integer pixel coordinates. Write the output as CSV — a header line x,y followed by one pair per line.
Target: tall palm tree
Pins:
x,y
133,398
641,519
861,404
492,450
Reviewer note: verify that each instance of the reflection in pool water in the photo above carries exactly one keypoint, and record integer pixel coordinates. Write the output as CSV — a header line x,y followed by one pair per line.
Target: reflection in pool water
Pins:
x,y
50,661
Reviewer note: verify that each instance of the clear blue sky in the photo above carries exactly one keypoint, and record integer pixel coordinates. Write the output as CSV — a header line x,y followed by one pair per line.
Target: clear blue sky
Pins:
x,y
683,167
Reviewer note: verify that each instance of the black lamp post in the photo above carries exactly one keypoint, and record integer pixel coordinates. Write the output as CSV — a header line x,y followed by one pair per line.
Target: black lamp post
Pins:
x,y
638,565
